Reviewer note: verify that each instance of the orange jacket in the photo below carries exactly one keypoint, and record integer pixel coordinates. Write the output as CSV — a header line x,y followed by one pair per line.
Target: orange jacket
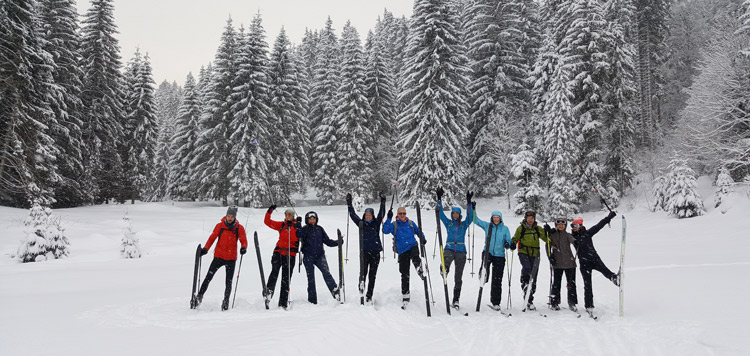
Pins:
x,y
226,248
285,244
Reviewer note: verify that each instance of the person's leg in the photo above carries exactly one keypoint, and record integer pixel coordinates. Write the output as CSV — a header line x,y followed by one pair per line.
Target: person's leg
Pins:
x,y
526,267
287,265
322,265
556,285
274,275
403,266
373,262
602,268
588,293
448,256
460,259
312,294
534,277
570,275
230,265
215,264
496,289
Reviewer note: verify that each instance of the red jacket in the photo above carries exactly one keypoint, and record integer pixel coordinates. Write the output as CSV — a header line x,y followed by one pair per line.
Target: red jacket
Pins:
x,y
226,248
285,244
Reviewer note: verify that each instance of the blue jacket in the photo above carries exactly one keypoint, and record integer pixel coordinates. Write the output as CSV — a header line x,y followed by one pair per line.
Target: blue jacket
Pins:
x,y
404,233
371,229
500,234
313,237
456,229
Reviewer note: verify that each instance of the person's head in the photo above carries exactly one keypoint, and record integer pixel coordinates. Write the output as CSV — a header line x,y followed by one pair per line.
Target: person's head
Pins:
x,y
561,224
456,213
289,214
497,217
311,218
577,224
231,214
530,217
369,214
401,213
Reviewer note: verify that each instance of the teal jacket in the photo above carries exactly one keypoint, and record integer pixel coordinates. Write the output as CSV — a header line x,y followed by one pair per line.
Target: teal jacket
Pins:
x,y
455,239
500,234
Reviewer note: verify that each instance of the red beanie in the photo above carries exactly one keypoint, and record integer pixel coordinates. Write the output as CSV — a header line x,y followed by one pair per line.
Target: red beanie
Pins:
x,y
578,221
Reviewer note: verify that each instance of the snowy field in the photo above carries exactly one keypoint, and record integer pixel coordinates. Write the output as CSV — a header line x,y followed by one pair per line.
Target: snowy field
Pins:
x,y
686,286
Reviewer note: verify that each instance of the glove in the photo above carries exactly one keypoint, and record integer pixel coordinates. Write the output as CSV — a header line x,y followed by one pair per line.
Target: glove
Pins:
x,y
547,227
469,195
506,245
243,250
552,260
299,220
440,193
395,250
348,199
272,208
298,225
390,214
611,215
204,251
382,197
423,240
512,247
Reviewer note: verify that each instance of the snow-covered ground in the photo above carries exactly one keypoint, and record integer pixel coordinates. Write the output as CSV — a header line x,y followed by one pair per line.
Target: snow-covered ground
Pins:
x,y
686,286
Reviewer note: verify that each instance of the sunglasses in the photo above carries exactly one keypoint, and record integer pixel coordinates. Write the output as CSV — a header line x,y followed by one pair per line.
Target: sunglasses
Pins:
x,y
561,222
575,226
401,213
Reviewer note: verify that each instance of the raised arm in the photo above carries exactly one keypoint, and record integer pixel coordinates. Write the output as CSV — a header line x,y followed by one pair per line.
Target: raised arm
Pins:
x,y
443,218
276,225
594,229
353,215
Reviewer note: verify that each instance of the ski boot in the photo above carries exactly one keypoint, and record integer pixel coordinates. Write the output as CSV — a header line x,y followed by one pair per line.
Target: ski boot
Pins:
x,y
455,304
225,305
530,306
616,279
405,300
495,307
420,273
553,307
573,308
337,294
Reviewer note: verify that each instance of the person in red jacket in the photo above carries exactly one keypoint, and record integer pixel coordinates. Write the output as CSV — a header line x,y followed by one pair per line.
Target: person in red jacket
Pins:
x,y
283,254
228,231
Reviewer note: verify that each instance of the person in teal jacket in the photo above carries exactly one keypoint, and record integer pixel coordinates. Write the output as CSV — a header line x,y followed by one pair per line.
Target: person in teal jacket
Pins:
x,y
455,247
405,244
500,241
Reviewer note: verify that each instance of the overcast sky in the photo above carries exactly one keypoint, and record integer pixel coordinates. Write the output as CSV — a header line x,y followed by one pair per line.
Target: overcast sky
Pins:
x,y
182,35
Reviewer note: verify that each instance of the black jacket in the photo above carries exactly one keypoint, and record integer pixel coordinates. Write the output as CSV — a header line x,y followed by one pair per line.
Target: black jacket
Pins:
x,y
584,243
371,229
313,237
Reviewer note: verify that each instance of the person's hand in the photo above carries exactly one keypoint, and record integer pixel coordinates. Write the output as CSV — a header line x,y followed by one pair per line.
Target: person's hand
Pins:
x,y
440,193
390,214
469,195
423,240
204,251
611,215
299,219
348,199
506,245
272,208
243,250
382,197
341,242
512,246
547,227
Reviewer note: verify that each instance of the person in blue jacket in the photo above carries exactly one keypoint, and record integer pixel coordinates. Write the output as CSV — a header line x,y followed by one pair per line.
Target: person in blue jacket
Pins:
x,y
313,236
455,247
371,245
500,240
405,244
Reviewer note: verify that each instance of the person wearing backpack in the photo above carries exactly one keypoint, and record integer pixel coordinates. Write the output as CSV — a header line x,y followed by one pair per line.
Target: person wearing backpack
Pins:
x,y
527,236
228,232
283,254
405,244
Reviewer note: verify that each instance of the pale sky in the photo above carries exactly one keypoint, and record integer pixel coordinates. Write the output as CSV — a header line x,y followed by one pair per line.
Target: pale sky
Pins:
x,y
182,35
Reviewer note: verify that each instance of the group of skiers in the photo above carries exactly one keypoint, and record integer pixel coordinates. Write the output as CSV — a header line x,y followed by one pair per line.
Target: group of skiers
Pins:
x,y
407,237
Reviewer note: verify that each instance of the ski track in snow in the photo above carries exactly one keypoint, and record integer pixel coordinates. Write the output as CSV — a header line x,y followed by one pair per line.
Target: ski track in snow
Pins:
x,y
95,303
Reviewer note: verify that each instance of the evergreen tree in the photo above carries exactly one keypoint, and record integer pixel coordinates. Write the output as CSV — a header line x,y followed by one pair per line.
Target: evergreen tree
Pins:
x,y
212,163
60,29
524,169
724,183
45,237
129,243
353,122
102,100
252,119
683,200
183,142
432,126
288,105
659,192
28,154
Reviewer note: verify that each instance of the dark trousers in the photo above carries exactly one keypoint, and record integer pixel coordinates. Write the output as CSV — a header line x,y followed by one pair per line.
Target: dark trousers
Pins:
x,y
460,258
403,267
285,264
310,263
368,270
527,265
586,268
496,265
570,276
215,265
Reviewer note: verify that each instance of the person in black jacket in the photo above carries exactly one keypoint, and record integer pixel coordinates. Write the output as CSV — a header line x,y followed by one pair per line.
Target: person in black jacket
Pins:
x,y
588,257
313,236
371,245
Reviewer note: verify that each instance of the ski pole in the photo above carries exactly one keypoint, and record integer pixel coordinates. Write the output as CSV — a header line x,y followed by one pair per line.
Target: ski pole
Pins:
x,y
601,196
347,238
510,276
434,246
237,284
473,255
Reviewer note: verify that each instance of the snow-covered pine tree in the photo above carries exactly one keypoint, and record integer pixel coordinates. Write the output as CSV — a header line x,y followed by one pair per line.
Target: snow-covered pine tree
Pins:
x,y
252,119
659,191
45,237
288,104
432,127
168,97
129,243
353,122
724,184
524,169
683,200
183,142
102,100
307,51
322,98
211,161
381,94
141,131
59,20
